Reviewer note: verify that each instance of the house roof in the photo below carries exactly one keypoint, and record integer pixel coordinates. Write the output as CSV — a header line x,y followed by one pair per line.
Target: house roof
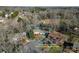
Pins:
x,y
38,31
50,21
1,20
56,34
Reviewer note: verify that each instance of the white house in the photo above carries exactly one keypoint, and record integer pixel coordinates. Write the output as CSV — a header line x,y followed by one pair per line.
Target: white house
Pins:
x,y
6,15
1,21
76,28
38,31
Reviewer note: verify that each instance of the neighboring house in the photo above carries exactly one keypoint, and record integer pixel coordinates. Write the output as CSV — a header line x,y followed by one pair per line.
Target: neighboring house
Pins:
x,y
24,40
51,21
20,38
1,21
57,37
76,29
6,15
49,24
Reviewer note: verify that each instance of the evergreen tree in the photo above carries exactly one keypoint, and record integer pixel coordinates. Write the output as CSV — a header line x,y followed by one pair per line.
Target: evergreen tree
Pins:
x,y
30,34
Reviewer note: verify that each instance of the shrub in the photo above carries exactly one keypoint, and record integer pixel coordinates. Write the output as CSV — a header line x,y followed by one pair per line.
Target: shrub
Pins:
x,y
19,19
2,14
15,14
55,49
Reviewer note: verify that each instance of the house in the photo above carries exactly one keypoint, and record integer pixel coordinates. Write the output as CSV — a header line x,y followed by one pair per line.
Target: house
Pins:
x,y
1,21
76,29
24,40
48,24
7,15
38,33
46,21
56,37
50,21
20,38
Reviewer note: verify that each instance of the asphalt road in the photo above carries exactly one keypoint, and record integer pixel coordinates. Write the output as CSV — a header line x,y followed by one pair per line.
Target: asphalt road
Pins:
x,y
32,47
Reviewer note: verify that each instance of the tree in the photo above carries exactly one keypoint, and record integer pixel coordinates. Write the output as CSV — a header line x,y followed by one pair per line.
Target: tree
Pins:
x,y
19,19
23,24
30,34
2,14
14,14
16,30
37,9
62,26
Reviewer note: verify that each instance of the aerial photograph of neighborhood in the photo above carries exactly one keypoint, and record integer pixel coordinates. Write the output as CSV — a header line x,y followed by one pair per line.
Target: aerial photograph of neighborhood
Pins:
x,y
39,29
